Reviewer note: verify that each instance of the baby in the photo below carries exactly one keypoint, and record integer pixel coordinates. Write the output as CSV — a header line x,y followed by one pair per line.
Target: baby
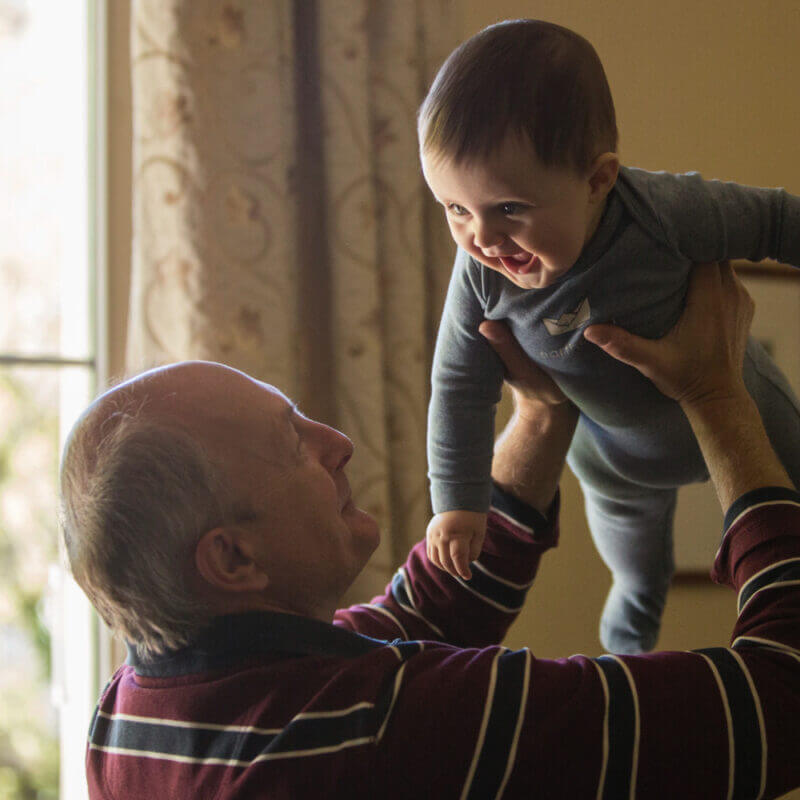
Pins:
x,y
518,142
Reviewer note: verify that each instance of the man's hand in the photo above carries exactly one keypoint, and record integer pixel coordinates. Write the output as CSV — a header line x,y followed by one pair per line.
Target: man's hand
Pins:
x,y
454,539
529,454
701,357
531,386
699,364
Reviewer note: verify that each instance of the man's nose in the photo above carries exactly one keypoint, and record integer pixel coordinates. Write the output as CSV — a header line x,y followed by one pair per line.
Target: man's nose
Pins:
x,y
345,449
336,447
485,236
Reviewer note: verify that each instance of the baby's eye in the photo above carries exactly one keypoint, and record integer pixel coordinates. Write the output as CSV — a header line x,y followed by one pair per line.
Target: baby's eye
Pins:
x,y
509,209
455,208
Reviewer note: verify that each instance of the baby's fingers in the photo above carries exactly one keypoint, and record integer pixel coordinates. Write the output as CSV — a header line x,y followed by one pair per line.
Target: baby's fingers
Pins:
x,y
475,546
460,558
433,553
438,551
444,549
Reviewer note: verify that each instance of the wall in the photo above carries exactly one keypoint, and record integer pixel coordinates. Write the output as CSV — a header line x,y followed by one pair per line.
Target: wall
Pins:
x,y
697,86
704,86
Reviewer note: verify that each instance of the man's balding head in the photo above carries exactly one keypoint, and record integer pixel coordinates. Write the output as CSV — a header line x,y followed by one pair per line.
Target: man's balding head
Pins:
x,y
194,490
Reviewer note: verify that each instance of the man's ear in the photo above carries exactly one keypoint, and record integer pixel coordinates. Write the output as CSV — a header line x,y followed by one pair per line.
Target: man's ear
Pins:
x,y
226,559
602,176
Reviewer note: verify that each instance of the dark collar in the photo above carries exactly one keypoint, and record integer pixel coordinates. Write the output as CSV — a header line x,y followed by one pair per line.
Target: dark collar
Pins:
x,y
235,638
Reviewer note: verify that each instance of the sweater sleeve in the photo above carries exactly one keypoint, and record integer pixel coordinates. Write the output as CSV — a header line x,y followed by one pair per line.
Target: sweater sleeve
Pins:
x,y
713,723
707,220
423,602
465,387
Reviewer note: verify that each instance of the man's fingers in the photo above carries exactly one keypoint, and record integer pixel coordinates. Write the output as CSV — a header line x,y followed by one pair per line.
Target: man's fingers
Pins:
x,y
527,380
620,344
505,345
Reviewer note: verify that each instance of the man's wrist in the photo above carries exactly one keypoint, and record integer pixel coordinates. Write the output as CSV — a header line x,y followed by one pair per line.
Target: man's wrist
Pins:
x,y
529,454
735,445
710,403
539,414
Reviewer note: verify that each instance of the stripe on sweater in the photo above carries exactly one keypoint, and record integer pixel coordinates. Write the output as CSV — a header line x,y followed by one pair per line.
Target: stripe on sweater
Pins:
x,y
498,737
519,514
744,642
748,747
621,726
496,591
307,734
403,594
385,611
758,498
504,581
783,572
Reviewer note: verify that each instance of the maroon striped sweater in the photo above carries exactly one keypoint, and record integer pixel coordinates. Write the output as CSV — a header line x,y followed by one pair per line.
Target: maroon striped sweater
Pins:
x,y
410,696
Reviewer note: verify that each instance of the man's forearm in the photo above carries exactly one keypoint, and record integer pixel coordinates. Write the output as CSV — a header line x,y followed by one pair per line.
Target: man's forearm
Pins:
x,y
735,446
529,454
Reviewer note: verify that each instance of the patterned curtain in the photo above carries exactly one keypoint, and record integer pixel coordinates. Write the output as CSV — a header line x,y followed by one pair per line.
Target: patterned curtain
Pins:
x,y
281,224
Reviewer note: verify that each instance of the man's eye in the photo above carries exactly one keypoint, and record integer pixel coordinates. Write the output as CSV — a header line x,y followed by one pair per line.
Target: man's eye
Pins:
x,y
455,208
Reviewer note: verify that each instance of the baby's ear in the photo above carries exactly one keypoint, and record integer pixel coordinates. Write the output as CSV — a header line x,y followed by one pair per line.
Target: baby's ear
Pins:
x,y
603,175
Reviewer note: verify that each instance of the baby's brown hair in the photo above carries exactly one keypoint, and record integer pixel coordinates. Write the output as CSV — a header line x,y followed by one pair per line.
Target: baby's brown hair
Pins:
x,y
527,77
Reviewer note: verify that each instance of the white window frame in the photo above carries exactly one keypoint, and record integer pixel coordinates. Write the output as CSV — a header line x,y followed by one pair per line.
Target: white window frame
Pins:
x,y
87,662
83,657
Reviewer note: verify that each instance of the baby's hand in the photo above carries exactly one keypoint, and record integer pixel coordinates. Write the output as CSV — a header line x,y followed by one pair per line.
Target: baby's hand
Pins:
x,y
454,539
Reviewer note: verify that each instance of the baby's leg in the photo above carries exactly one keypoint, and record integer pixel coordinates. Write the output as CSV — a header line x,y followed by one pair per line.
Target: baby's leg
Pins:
x,y
634,537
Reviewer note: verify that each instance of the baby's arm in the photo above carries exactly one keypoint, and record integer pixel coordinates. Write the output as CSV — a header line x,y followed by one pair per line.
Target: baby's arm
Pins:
x,y
710,219
455,538
466,381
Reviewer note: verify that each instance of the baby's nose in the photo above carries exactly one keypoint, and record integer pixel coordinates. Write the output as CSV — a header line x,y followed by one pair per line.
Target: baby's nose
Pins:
x,y
484,236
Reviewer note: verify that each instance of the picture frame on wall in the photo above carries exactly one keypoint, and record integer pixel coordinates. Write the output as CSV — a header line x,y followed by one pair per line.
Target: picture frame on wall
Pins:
x,y
775,288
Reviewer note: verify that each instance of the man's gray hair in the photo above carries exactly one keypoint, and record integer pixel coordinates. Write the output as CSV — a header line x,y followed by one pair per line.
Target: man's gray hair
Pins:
x,y
137,494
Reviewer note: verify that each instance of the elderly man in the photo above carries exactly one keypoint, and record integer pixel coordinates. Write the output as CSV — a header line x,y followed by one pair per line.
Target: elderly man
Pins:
x,y
212,525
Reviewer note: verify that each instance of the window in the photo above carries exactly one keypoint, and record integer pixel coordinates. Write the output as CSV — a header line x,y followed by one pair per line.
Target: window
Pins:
x,y
51,230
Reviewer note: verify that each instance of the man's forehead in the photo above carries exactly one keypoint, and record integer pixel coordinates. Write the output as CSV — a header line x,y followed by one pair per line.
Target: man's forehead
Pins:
x,y
219,391
201,389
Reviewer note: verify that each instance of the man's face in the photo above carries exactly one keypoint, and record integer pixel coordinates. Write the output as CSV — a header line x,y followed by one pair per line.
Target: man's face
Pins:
x,y
524,220
308,536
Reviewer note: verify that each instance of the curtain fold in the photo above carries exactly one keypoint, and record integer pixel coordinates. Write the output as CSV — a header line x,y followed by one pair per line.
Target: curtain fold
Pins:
x,y
281,224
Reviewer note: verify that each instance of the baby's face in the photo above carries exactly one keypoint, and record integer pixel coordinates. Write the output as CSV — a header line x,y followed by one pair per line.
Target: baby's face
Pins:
x,y
524,220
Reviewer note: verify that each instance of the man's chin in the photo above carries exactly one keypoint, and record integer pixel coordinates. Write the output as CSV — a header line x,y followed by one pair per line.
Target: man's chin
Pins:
x,y
363,525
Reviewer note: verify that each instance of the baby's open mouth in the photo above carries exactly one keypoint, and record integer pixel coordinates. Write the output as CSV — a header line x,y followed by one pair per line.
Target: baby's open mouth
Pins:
x,y
520,263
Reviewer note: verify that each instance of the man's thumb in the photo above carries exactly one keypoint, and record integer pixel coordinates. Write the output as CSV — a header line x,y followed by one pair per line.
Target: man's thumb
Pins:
x,y
618,343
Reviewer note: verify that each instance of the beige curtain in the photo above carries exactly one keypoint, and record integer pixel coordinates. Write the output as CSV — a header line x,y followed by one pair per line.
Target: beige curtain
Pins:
x,y
281,224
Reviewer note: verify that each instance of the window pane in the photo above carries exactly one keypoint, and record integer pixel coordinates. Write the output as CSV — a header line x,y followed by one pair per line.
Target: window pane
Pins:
x,y
29,447
43,175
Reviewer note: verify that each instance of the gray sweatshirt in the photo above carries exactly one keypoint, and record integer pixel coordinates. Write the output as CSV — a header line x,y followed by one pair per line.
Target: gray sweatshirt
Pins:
x,y
633,273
